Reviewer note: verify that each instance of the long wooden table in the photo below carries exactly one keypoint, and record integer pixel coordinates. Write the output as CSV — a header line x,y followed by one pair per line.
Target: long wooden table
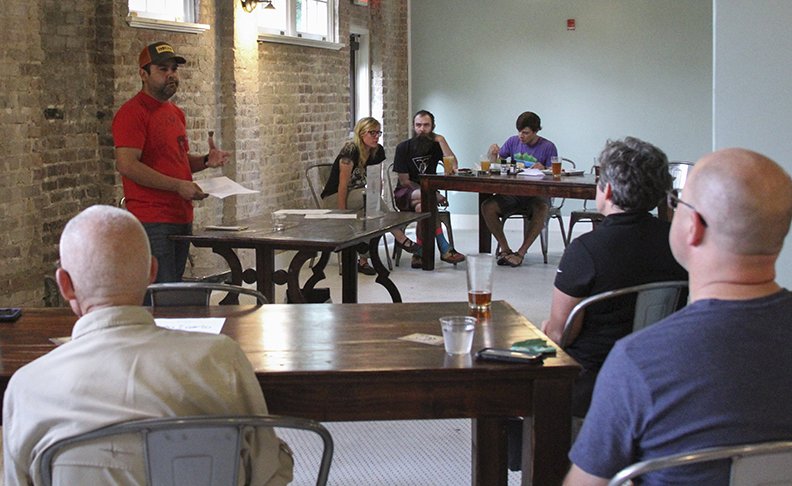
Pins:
x,y
335,362
573,187
306,237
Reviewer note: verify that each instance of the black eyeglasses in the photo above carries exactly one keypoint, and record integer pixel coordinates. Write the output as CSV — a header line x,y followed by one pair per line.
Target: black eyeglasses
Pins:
x,y
375,133
672,200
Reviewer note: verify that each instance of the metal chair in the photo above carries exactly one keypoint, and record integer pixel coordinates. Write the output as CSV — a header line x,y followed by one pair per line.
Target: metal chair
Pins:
x,y
197,293
443,216
751,465
184,451
584,215
317,176
679,171
654,301
553,212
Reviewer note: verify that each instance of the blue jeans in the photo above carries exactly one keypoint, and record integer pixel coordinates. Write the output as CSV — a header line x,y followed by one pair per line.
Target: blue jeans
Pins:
x,y
171,255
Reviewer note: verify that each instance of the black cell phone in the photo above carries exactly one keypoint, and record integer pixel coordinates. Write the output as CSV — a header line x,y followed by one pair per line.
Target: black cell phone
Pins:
x,y
10,314
508,355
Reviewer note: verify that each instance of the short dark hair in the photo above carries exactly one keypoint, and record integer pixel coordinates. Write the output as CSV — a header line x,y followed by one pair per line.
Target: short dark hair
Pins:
x,y
425,113
529,119
637,172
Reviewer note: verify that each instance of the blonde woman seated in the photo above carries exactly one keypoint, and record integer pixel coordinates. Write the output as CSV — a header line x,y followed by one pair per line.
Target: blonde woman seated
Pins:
x,y
346,185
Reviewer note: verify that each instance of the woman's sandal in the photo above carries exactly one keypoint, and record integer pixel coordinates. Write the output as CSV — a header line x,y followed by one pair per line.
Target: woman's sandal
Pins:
x,y
409,246
502,258
513,262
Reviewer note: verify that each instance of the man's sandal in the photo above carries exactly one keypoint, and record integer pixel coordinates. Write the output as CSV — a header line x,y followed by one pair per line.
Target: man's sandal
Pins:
x,y
409,246
513,259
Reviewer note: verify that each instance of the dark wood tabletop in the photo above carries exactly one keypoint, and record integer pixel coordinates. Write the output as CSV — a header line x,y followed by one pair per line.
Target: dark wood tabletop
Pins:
x,y
573,187
307,237
335,362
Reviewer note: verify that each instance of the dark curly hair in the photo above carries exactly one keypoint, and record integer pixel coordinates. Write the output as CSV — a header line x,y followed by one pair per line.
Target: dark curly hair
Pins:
x,y
637,172
529,119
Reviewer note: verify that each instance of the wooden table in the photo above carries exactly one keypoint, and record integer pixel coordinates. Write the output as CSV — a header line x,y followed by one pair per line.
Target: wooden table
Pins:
x,y
335,362
573,187
306,237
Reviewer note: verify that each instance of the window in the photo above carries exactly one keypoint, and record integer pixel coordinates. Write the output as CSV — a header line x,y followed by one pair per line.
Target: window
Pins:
x,y
170,15
174,10
304,22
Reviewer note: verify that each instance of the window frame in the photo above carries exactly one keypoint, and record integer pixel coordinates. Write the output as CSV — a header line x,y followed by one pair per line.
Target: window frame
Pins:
x,y
149,20
290,34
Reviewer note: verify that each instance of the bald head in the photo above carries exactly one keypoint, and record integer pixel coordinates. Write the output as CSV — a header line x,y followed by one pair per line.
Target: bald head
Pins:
x,y
746,199
106,254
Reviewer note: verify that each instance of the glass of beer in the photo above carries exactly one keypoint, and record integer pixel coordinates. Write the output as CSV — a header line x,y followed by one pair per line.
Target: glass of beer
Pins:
x,y
555,165
479,282
448,164
485,163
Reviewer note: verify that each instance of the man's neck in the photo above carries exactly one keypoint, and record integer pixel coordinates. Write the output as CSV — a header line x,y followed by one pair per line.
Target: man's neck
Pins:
x,y
752,278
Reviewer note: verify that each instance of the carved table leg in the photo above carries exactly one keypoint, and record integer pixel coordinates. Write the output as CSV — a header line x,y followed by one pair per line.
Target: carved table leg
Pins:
x,y
382,272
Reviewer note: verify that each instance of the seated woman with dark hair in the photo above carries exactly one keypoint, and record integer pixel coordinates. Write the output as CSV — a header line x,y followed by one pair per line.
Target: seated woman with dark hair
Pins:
x,y
630,247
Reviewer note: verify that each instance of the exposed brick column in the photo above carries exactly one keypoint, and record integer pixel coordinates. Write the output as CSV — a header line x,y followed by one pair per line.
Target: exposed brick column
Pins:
x,y
238,86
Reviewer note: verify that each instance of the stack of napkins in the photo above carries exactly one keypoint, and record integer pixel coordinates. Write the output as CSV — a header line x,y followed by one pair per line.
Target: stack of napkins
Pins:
x,y
531,173
534,346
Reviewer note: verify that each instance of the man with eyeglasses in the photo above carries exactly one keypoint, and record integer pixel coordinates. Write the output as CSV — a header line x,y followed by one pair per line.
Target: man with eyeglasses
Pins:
x,y
153,157
416,156
716,372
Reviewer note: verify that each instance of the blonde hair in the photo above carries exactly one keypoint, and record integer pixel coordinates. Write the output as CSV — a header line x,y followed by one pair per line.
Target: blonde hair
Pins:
x,y
364,125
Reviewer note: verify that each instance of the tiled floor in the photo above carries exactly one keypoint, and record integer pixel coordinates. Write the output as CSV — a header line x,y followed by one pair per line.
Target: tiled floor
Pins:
x,y
432,452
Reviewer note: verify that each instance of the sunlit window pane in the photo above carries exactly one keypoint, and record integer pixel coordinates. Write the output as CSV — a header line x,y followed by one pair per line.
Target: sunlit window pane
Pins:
x,y
312,17
177,10
273,18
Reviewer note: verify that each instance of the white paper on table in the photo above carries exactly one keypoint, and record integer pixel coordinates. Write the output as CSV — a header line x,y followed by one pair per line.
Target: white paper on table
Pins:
x,y
302,211
422,338
531,173
209,325
222,187
331,216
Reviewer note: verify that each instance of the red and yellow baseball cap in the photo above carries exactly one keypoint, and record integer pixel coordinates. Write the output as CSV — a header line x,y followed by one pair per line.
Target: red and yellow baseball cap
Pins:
x,y
158,53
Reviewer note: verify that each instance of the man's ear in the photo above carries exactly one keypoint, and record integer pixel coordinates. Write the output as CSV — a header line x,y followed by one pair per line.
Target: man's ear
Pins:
x,y
696,228
153,269
607,191
65,284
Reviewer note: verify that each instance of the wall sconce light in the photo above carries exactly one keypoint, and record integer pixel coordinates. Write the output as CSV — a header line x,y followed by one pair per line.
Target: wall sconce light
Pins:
x,y
249,5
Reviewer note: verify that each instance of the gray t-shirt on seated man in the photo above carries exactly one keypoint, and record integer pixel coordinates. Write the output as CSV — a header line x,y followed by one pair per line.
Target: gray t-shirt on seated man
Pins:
x,y
720,376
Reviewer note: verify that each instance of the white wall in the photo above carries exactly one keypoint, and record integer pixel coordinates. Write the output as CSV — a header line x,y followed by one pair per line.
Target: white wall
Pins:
x,y
752,100
631,67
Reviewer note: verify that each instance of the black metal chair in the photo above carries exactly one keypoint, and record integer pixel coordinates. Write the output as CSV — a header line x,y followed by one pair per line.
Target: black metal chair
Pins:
x,y
197,293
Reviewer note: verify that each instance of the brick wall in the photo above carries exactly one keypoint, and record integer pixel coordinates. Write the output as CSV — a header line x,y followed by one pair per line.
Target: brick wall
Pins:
x,y
277,107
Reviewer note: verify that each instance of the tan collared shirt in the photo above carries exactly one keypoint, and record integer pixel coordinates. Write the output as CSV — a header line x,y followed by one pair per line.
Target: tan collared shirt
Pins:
x,y
119,366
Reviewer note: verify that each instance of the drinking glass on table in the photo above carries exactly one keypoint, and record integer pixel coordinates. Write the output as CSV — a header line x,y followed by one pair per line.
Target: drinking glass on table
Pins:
x,y
448,164
485,162
458,333
479,282
555,164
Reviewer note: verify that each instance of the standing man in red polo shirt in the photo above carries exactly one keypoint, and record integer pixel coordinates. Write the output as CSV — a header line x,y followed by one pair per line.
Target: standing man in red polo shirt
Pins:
x,y
152,156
